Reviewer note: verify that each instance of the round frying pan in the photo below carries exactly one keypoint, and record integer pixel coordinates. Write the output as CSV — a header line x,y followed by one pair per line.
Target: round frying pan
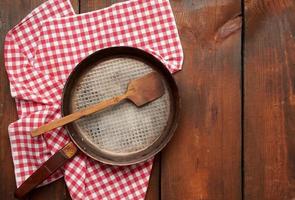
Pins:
x,y
121,135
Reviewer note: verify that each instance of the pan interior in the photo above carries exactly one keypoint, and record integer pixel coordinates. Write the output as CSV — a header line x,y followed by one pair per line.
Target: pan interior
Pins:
x,y
124,128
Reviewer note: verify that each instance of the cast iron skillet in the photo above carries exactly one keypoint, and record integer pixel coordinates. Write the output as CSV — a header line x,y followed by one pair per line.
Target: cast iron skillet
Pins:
x,y
78,138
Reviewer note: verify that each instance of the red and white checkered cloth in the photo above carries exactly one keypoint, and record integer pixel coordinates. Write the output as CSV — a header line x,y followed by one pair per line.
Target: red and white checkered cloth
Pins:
x,y
42,50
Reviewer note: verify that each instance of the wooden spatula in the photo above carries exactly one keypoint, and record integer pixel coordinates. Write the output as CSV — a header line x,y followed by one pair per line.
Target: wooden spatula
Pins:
x,y
140,91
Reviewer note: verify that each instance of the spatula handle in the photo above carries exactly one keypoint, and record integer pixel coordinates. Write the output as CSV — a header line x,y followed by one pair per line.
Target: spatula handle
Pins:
x,y
77,115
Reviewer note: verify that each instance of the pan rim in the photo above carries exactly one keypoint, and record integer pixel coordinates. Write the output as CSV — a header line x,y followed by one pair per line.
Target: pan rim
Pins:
x,y
157,65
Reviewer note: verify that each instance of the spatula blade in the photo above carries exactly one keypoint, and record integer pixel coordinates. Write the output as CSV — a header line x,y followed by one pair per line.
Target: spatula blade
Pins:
x,y
145,89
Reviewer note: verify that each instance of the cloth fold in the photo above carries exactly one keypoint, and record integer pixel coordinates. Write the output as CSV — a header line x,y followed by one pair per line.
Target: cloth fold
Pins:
x,y
40,53
19,49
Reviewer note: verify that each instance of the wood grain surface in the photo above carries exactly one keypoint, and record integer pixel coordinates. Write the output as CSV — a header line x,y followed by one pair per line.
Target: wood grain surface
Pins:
x,y
236,136
269,104
203,160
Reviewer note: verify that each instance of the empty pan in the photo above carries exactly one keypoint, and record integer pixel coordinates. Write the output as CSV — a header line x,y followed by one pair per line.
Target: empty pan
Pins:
x,y
121,135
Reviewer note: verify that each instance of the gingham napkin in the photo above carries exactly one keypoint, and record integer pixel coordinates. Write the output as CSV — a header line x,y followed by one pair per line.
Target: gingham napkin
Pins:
x,y
40,53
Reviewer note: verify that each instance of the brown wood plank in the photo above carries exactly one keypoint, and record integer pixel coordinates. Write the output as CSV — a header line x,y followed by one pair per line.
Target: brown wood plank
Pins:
x,y
153,191
75,4
91,5
269,99
12,11
203,159
154,186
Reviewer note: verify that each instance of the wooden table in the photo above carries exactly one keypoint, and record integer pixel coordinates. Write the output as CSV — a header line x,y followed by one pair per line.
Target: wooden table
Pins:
x,y
236,137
